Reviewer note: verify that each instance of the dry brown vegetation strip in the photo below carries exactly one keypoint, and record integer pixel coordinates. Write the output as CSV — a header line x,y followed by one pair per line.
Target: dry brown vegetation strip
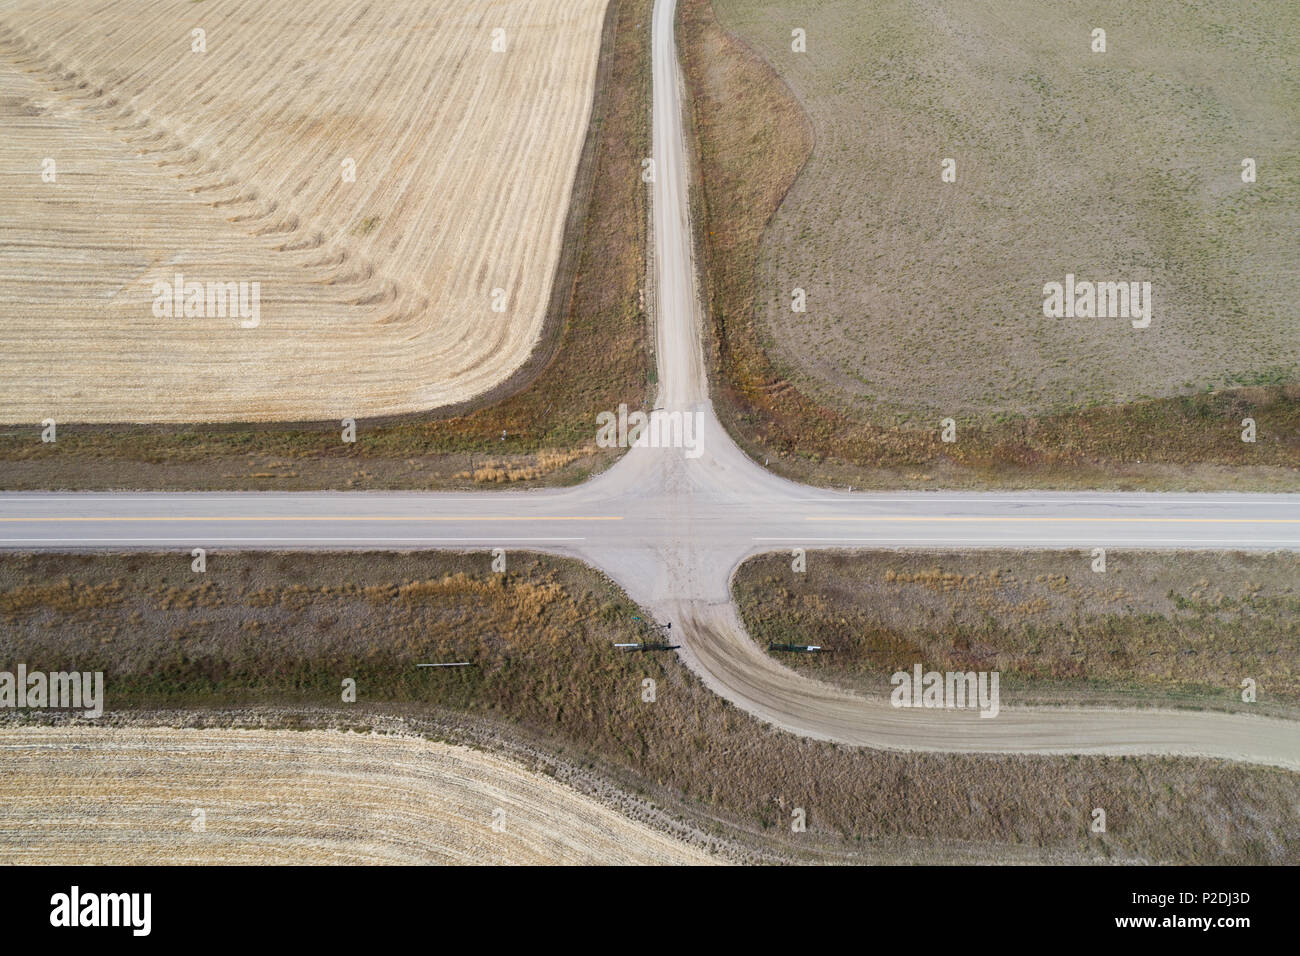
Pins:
x,y
752,141
116,796
1174,627
280,631
547,426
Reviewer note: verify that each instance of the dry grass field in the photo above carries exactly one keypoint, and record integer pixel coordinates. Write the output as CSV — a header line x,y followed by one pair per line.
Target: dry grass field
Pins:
x,y
127,797
270,636
1175,628
822,170
376,295
925,298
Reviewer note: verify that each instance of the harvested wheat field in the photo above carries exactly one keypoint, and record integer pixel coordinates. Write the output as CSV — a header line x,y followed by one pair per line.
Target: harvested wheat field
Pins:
x,y
423,281
119,796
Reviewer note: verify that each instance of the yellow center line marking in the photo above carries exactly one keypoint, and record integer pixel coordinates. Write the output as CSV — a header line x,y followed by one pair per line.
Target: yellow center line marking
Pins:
x,y
410,518
1049,518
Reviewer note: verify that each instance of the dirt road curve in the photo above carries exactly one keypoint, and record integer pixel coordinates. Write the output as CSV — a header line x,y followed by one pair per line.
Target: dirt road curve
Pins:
x,y
122,796
734,667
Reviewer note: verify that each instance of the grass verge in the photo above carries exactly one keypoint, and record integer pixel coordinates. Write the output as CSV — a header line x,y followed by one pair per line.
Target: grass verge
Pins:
x,y
1176,629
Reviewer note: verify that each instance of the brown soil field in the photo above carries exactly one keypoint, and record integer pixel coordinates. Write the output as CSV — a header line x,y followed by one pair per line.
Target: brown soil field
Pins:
x,y
104,796
275,634
227,164
925,297
1176,629
535,426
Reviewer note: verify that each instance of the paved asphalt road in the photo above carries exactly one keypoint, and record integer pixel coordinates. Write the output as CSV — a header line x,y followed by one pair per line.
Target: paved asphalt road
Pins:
x,y
671,529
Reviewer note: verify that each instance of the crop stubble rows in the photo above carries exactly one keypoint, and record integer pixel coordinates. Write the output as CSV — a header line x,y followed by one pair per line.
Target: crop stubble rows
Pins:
x,y
127,797
227,166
